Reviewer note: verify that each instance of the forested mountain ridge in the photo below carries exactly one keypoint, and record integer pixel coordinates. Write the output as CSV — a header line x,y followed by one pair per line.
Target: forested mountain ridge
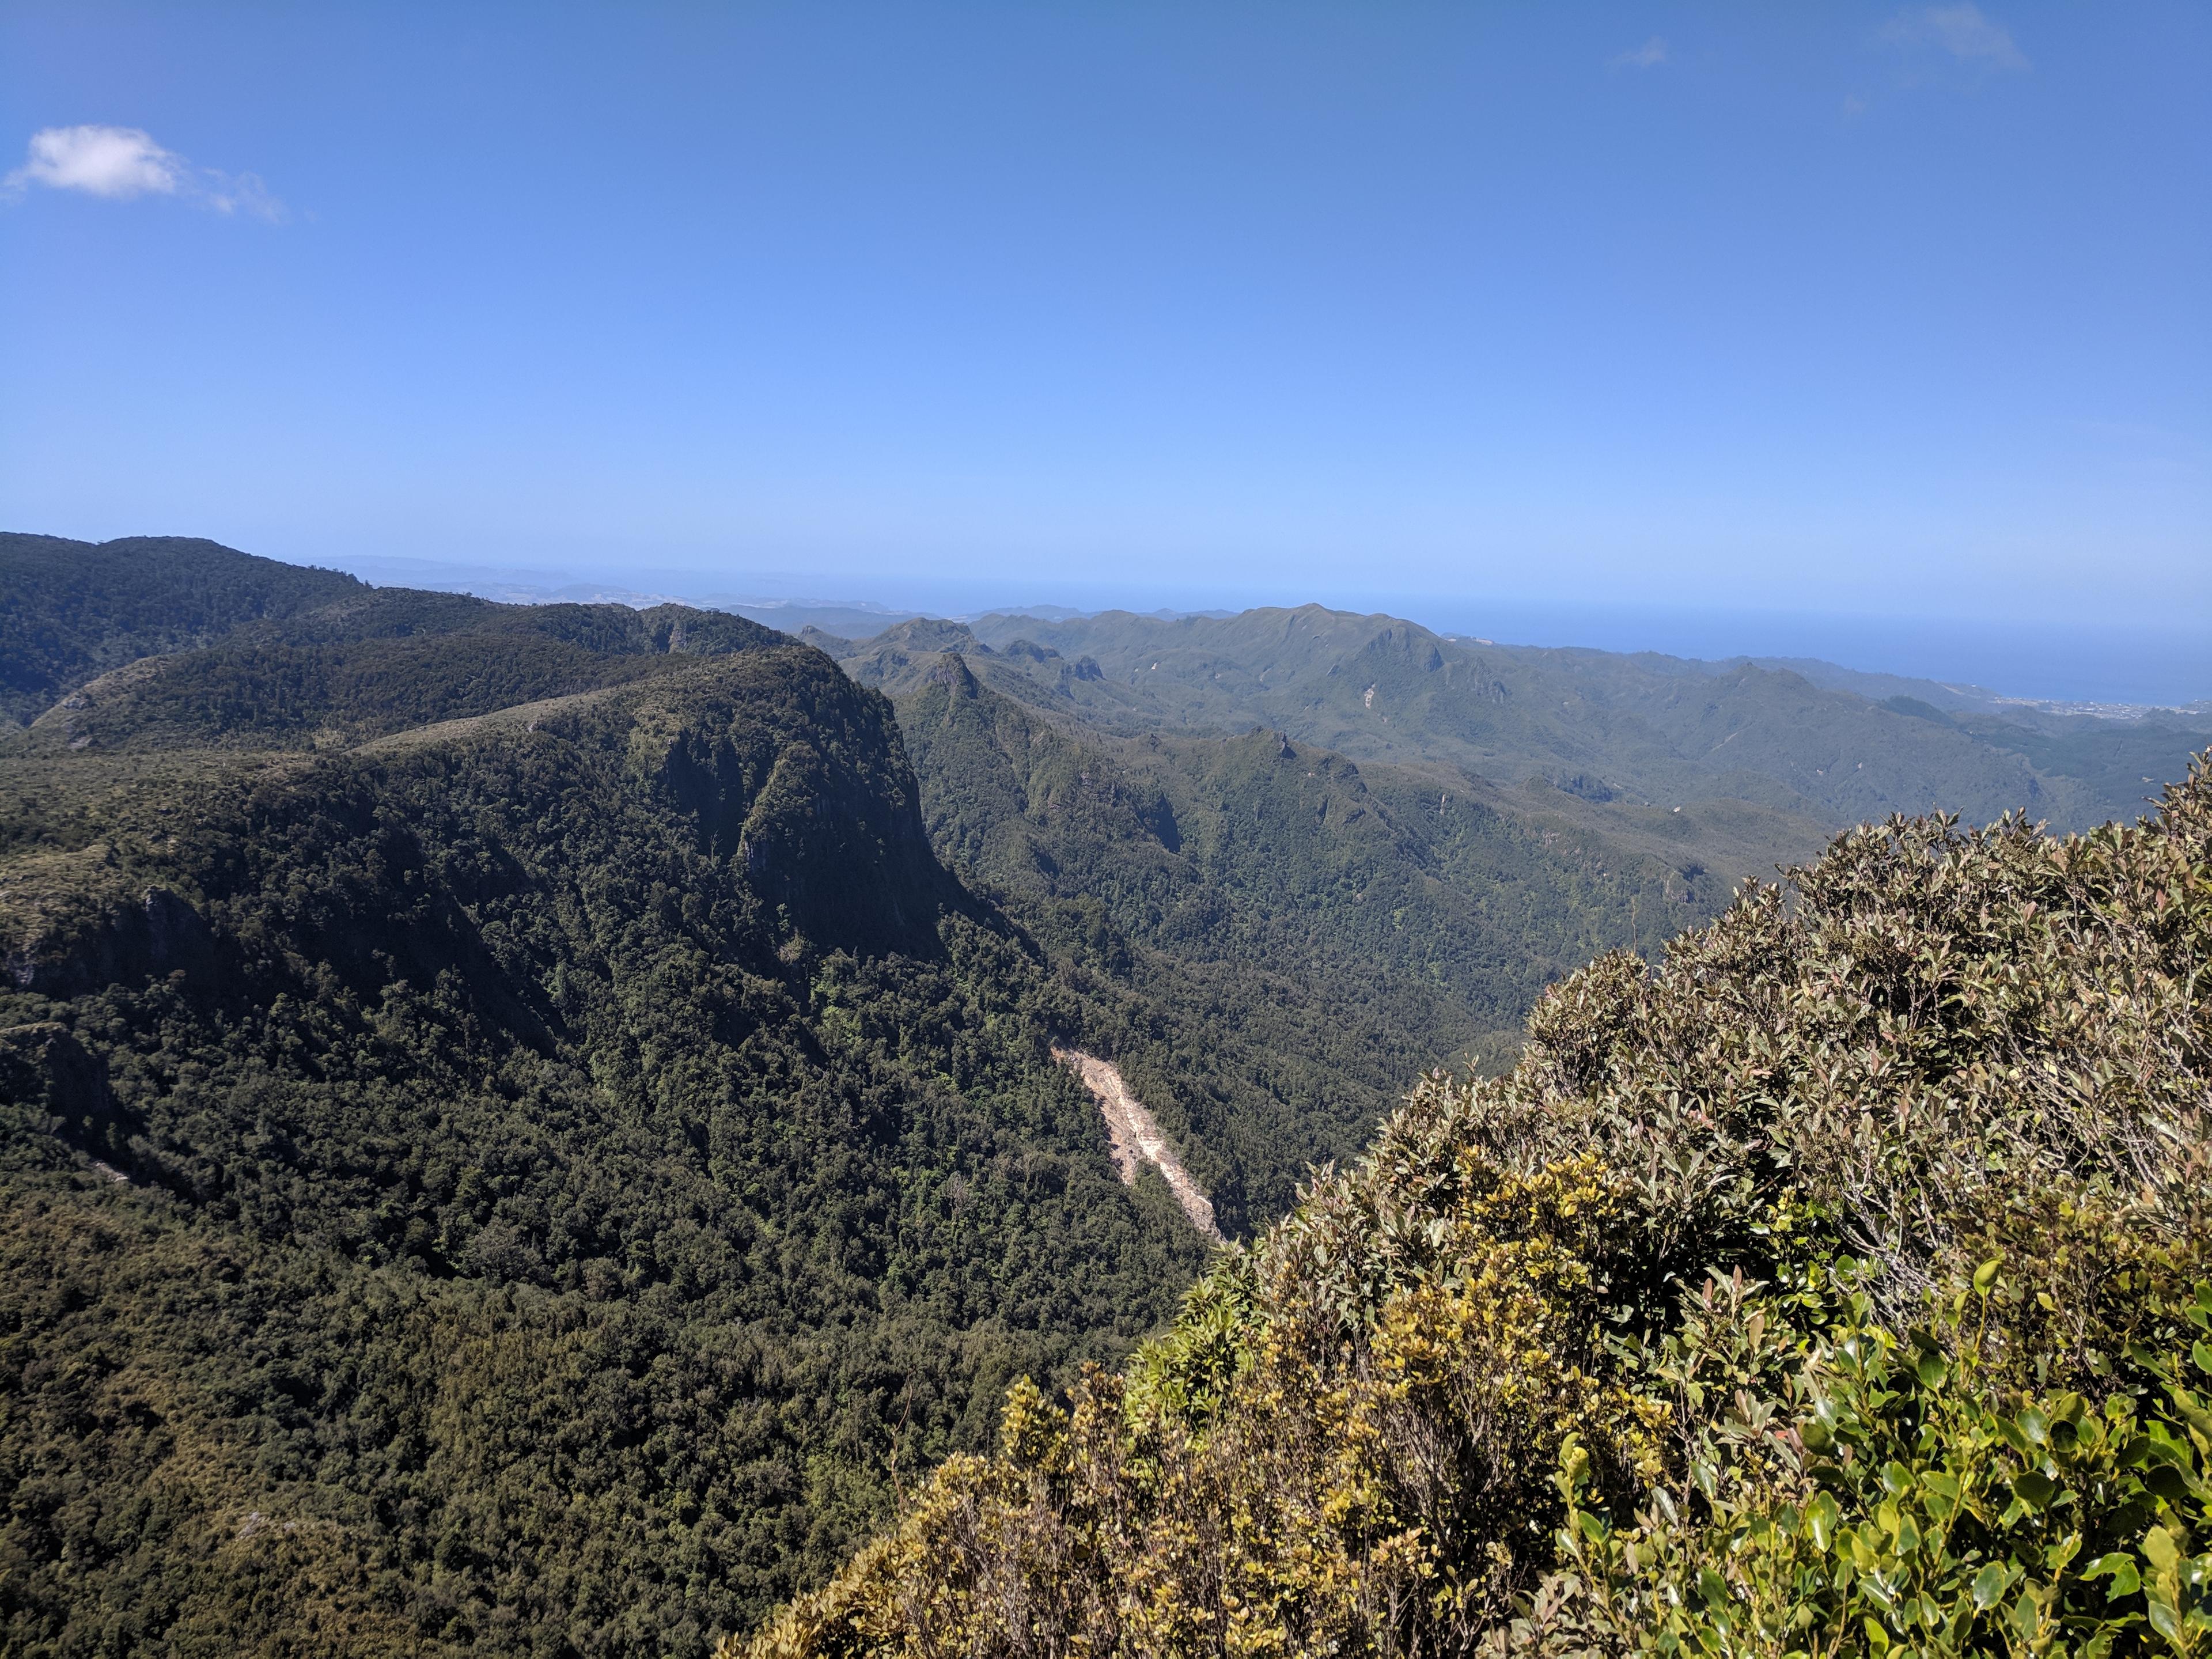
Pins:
x,y
559,1158
1722,839
380,661
1640,728
1293,924
77,610
1846,1281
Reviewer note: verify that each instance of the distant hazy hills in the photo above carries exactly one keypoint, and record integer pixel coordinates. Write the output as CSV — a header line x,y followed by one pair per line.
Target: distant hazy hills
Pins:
x,y
1632,731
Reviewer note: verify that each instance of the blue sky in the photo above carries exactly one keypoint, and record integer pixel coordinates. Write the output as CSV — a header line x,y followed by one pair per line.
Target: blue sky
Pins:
x,y
1850,311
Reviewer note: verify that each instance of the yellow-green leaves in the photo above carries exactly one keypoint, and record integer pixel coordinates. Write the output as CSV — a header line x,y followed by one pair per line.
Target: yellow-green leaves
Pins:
x,y
1991,1583
1459,1401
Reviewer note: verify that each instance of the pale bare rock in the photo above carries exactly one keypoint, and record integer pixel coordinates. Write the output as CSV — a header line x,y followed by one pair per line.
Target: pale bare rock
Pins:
x,y
1136,1139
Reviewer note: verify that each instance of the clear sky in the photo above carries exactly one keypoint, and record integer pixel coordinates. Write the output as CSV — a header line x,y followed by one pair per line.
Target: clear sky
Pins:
x,y
1874,310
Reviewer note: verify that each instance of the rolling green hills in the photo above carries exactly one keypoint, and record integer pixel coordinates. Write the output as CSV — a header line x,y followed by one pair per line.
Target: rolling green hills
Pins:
x,y
75,609
1641,729
383,661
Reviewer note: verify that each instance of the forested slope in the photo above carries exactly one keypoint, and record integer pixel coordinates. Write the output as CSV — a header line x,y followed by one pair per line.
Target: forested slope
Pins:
x,y
515,1185
1636,729
1840,1286
75,609
380,661
1284,927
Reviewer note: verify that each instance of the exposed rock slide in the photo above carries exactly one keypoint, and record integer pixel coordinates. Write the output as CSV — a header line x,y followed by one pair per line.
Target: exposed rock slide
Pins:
x,y
1136,1138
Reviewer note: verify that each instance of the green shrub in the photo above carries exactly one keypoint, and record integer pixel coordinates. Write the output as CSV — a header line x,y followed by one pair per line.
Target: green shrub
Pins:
x,y
1848,1270
1913,1503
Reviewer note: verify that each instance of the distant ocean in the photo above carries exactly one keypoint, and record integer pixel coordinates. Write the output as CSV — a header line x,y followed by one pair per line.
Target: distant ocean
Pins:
x,y
2069,663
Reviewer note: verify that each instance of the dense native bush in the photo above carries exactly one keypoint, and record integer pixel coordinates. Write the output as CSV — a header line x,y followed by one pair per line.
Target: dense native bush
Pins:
x,y
1276,938
72,609
1835,1288
1899,1495
557,1172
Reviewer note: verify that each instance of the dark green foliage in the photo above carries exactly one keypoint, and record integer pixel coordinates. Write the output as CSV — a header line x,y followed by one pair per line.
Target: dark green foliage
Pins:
x,y
388,661
568,1156
1268,931
70,610
216,1446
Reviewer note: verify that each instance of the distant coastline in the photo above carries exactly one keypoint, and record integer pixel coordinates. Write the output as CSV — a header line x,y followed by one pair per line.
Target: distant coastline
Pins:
x,y
2095,667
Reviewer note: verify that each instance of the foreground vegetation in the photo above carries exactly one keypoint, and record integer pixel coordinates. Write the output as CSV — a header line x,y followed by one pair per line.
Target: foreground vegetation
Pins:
x,y
1838,1288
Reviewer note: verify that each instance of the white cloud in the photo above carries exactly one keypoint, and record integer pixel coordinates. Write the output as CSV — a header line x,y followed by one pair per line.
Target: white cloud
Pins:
x,y
121,162
1962,30
1650,55
117,161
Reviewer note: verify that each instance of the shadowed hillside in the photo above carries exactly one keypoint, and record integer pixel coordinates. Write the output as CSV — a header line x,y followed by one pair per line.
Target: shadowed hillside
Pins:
x,y
382,662
75,609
